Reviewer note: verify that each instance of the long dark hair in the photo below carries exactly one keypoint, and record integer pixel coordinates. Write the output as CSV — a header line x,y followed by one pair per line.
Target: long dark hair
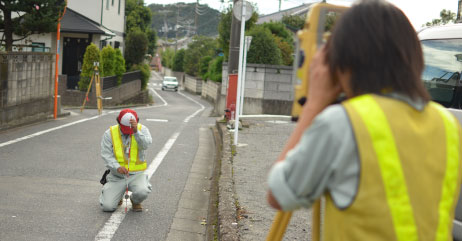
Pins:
x,y
375,41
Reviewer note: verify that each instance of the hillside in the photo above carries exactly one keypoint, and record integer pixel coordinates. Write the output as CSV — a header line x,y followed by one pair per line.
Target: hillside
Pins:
x,y
166,16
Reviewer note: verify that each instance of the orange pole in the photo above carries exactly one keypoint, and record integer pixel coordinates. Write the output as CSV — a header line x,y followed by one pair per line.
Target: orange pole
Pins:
x,y
56,68
58,32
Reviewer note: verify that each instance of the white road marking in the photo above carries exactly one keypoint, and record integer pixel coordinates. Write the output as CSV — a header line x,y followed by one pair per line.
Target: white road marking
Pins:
x,y
46,131
157,120
264,116
155,92
111,226
195,113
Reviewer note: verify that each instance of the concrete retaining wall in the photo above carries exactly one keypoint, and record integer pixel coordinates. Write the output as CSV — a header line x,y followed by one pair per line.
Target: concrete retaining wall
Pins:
x,y
119,94
193,85
26,88
268,89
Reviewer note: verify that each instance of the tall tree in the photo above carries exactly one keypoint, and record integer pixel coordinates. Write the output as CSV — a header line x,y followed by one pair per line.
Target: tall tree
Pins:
x,y
25,17
138,16
224,28
446,16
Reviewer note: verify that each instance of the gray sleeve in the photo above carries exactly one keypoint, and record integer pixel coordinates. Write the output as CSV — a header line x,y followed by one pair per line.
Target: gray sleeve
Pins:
x,y
143,138
107,152
323,160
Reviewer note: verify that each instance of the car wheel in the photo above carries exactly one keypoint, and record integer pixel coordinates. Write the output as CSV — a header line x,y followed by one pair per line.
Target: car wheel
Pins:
x,y
163,89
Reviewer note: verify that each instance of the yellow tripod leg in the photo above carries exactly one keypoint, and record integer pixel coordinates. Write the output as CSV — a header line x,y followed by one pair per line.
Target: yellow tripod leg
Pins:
x,y
86,95
279,226
316,219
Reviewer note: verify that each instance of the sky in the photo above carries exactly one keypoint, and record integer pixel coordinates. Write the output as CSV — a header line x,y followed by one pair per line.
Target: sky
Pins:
x,y
418,11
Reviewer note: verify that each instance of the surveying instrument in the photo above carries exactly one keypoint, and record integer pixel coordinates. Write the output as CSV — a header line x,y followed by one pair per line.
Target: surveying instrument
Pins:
x,y
99,98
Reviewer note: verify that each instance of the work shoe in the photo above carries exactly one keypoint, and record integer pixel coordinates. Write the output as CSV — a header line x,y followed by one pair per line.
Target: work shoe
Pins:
x,y
136,206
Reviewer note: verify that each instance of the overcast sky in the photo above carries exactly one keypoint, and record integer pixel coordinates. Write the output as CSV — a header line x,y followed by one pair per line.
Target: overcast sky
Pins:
x,y
418,11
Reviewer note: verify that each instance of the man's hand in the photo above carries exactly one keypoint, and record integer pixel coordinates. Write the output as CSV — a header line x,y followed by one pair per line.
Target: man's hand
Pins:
x,y
122,170
134,125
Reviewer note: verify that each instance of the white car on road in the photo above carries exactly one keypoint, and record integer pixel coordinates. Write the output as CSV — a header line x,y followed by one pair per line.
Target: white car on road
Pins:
x,y
170,83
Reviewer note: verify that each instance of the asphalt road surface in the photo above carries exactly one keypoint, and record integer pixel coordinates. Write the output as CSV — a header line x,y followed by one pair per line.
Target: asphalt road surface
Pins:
x,y
50,171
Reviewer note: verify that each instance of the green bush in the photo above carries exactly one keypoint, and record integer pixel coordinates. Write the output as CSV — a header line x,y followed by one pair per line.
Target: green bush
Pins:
x,y
167,57
263,49
178,61
91,55
136,46
204,66
107,66
145,73
215,69
119,65
199,47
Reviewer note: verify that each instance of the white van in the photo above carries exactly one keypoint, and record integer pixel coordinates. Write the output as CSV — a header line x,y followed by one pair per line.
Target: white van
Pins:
x,y
442,49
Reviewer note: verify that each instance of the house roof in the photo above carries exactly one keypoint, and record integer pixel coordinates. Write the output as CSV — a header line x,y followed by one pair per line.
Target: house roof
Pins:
x,y
277,16
74,22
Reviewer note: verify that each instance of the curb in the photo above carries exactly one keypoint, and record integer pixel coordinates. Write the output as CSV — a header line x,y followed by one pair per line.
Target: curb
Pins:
x,y
227,211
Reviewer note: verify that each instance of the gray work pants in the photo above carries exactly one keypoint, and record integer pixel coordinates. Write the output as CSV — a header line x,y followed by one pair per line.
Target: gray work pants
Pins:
x,y
115,188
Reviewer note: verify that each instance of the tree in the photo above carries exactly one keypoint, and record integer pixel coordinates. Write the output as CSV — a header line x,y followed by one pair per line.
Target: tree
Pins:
x,y
107,65
119,68
204,66
293,22
136,46
167,57
446,16
152,40
30,16
224,28
286,49
91,56
279,29
201,46
178,61
263,49
137,16
215,69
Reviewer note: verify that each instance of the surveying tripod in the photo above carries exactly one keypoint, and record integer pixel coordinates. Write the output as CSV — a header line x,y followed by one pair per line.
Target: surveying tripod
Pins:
x,y
99,98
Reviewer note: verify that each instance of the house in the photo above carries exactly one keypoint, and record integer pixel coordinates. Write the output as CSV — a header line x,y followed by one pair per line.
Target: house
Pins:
x,y
301,10
101,22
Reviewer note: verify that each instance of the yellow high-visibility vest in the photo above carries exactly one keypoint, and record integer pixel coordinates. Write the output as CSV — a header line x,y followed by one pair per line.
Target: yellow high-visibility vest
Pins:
x,y
135,164
410,173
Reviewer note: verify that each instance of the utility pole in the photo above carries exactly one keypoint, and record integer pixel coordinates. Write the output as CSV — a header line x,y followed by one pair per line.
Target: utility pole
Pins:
x,y
196,17
233,59
280,5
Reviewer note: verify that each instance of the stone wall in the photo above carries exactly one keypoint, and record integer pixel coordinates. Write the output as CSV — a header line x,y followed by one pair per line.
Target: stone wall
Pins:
x,y
268,89
193,85
210,90
120,94
26,88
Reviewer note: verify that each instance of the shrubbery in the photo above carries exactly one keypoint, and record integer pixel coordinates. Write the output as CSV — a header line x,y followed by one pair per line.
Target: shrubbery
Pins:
x,y
204,66
107,65
215,69
178,61
145,73
91,55
119,66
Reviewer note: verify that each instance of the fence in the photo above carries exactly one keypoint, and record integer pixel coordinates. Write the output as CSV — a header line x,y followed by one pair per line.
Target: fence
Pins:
x,y
26,87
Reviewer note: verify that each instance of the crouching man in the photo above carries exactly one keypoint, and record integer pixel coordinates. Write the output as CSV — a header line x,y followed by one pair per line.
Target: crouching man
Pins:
x,y
123,151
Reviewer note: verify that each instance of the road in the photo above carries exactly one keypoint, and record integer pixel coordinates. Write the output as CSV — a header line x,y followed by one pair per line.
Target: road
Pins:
x,y
50,171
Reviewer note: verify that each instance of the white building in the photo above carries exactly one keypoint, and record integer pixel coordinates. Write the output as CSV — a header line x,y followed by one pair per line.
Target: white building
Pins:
x,y
101,22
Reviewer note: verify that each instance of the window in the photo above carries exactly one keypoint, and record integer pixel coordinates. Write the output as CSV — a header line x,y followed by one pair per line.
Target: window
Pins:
x,y
107,4
116,44
443,66
112,2
38,47
119,7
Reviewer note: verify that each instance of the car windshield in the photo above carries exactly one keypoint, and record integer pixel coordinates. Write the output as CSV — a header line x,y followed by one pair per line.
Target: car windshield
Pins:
x,y
443,63
171,79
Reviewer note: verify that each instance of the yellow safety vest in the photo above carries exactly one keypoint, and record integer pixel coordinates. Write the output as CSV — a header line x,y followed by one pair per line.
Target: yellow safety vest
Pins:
x,y
410,173
135,164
